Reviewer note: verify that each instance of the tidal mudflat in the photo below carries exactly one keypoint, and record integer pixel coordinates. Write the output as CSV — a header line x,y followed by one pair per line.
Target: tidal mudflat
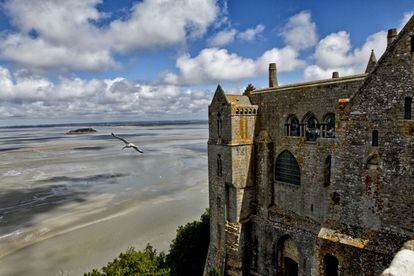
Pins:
x,y
69,203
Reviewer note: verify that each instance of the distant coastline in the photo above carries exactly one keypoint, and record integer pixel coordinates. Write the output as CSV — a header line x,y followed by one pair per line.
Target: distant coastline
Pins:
x,y
119,123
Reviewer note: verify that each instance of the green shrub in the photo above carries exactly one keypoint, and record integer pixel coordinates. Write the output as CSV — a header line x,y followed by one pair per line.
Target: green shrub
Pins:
x,y
188,252
132,262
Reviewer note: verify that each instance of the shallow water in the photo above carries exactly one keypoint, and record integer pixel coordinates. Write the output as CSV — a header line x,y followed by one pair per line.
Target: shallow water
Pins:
x,y
69,203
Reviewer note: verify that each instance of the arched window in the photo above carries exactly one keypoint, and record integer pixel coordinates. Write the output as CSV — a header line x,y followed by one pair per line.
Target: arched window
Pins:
x,y
329,126
292,126
287,168
219,125
312,127
331,265
219,165
407,108
327,171
375,138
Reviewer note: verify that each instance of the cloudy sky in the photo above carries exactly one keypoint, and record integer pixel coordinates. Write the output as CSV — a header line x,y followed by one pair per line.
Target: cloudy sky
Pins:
x,y
106,60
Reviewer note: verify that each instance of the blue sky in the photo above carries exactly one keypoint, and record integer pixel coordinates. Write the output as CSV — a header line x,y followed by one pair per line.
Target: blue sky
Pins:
x,y
88,60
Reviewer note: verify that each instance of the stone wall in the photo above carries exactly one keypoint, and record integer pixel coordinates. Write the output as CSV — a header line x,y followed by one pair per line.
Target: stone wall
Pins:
x,y
353,223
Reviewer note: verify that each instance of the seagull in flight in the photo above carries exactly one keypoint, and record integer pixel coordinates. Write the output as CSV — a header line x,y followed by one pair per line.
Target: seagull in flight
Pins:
x,y
127,144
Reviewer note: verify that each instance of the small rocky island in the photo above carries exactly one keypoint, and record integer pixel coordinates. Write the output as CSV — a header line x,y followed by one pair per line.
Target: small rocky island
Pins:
x,y
81,131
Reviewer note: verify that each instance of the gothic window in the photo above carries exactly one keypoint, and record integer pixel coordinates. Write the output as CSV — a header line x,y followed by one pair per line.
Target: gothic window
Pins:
x,y
331,265
329,126
375,138
407,108
327,171
292,126
219,165
287,168
312,127
219,125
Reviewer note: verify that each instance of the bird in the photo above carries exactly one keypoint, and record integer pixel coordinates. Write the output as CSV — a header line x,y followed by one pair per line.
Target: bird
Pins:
x,y
127,144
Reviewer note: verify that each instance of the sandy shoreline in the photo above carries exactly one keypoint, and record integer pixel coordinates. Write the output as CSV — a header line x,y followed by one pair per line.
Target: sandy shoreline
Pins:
x,y
92,245
72,204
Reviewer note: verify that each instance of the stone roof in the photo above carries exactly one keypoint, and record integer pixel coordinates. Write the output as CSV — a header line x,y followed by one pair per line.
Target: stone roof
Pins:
x,y
238,100
331,81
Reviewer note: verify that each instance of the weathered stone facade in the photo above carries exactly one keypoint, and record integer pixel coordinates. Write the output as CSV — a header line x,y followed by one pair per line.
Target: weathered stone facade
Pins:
x,y
315,178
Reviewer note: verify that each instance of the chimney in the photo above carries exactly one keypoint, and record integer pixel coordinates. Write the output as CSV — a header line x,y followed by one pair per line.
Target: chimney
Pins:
x,y
392,34
272,75
335,75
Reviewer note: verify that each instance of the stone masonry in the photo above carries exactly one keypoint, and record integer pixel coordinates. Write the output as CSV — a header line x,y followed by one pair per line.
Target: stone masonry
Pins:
x,y
315,178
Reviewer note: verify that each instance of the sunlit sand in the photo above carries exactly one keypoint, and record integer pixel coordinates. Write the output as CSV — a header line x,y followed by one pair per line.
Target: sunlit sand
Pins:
x,y
68,207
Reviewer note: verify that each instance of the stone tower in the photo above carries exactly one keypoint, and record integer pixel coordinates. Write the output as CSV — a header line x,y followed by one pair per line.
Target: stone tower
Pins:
x,y
230,147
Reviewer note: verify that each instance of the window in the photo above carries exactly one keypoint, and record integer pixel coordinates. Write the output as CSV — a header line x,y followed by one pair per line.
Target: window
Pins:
x,y
331,265
219,166
412,44
287,168
373,162
327,171
219,125
407,108
375,138
329,126
292,126
230,207
312,127
227,206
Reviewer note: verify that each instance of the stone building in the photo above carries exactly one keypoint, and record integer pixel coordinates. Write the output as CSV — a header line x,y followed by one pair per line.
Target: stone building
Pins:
x,y
315,178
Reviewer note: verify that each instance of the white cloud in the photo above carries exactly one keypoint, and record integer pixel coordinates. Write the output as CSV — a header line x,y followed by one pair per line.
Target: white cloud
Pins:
x,y
406,17
63,34
334,53
332,50
300,32
222,38
23,94
214,65
251,33
161,22
227,36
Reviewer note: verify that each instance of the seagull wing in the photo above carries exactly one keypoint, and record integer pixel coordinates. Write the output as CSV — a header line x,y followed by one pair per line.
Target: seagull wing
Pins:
x,y
137,149
122,139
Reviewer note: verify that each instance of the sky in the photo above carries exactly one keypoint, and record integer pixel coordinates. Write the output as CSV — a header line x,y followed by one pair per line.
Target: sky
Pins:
x,y
125,60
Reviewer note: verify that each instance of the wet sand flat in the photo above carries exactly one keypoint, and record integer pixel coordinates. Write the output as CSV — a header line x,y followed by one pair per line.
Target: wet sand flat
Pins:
x,y
70,204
